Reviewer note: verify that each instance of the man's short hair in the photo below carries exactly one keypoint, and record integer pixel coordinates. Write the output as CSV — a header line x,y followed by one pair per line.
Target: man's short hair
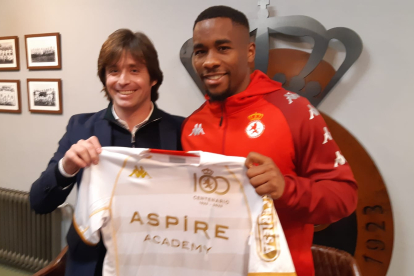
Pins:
x,y
223,11
141,49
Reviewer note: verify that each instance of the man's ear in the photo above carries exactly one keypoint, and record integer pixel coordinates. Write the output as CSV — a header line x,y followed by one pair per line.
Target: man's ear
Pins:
x,y
251,52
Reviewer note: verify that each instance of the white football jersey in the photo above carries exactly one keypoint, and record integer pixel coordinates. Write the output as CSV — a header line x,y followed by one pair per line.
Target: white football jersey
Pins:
x,y
179,213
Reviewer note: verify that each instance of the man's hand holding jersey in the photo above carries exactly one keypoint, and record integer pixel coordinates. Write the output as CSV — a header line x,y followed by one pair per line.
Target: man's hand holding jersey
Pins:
x,y
82,154
264,175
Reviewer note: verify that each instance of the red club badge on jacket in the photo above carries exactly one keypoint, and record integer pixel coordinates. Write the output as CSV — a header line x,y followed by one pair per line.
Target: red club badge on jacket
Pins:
x,y
255,128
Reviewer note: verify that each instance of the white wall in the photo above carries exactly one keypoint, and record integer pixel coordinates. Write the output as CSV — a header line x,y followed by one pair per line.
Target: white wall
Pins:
x,y
372,101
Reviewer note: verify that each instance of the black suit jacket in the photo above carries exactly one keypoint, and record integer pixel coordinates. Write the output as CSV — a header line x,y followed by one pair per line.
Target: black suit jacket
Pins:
x,y
47,194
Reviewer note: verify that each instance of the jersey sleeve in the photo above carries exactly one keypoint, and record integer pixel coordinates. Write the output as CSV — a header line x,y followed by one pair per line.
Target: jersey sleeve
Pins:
x,y
269,253
324,189
92,206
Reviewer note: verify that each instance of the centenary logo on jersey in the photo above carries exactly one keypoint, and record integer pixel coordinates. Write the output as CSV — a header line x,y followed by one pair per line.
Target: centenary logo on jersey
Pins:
x,y
255,128
211,184
139,173
267,240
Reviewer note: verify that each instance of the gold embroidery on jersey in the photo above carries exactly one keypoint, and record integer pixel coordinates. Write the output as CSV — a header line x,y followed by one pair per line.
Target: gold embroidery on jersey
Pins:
x,y
139,173
267,238
198,226
80,233
97,211
211,184
185,245
110,213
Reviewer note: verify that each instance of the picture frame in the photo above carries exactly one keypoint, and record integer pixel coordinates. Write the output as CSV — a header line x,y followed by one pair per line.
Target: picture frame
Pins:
x,y
9,53
10,100
44,95
43,51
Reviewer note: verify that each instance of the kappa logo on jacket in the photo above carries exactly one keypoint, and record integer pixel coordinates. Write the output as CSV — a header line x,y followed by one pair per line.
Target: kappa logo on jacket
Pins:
x,y
327,135
339,160
291,96
197,130
313,112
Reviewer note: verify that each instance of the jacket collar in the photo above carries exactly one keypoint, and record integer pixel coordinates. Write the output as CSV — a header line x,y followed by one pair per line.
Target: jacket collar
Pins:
x,y
109,116
103,129
260,84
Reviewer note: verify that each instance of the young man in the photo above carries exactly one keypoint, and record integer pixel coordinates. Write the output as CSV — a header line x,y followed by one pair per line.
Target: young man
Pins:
x,y
129,70
280,133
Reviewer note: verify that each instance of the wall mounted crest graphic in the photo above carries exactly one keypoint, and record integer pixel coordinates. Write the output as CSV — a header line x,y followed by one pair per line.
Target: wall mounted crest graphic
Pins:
x,y
296,26
369,232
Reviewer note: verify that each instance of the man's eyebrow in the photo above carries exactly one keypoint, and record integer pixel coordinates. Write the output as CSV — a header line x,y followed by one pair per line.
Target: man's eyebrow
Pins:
x,y
198,45
217,42
222,41
135,65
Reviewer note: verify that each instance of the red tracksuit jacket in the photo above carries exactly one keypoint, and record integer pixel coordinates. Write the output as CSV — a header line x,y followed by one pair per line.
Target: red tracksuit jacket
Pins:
x,y
265,118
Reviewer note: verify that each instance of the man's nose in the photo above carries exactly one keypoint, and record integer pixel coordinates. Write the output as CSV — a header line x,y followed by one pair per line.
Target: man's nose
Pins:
x,y
124,78
211,61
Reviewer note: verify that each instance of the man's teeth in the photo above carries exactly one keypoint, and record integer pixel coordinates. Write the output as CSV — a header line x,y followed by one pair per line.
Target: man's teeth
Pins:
x,y
126,92
216,77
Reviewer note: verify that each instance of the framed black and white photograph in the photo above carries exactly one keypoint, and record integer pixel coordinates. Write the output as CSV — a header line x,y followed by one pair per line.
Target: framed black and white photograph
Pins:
x,y
44,95
10,96
43,51
9,53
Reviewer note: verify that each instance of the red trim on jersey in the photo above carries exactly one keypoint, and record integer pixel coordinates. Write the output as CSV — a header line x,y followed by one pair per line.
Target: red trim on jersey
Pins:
x,y
173,152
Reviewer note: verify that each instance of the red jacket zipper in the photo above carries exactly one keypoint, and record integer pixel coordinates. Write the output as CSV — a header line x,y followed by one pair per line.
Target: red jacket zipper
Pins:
x,y
223,113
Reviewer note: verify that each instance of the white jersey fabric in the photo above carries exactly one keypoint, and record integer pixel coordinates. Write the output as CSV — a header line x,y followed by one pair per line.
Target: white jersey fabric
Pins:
x,y
179,213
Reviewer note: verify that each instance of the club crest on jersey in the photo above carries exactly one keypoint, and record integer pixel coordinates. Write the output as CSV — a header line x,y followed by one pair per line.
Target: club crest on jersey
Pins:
x,y
255,128
211,184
